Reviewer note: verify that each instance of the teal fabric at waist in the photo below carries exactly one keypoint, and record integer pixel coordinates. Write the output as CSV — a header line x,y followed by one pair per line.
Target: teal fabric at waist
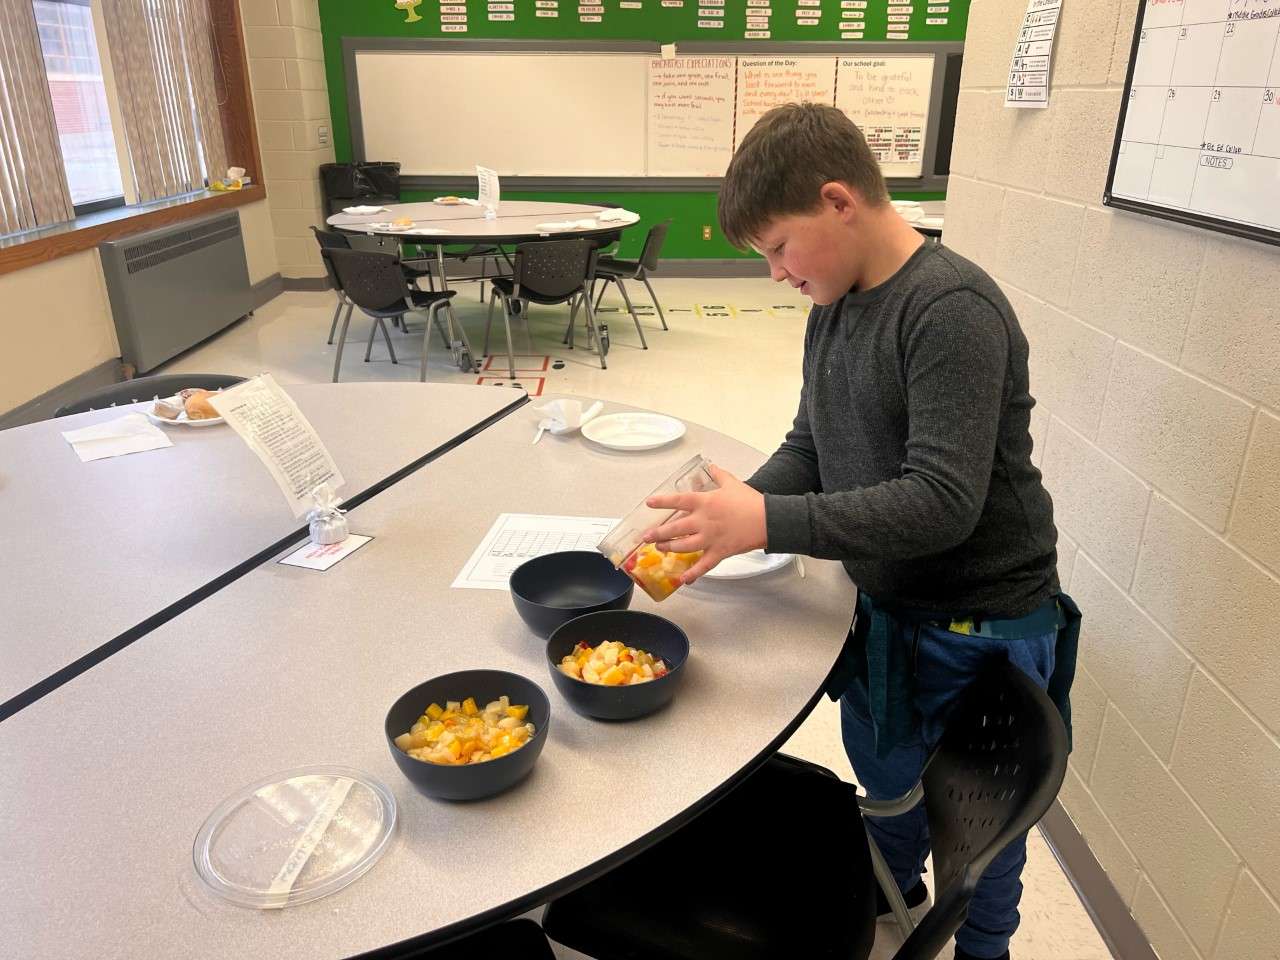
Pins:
x,y
870,656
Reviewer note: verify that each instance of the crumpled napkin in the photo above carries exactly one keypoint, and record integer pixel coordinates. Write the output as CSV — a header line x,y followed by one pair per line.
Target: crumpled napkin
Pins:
x,y
558,225
564,416
132,433
616,215
363,211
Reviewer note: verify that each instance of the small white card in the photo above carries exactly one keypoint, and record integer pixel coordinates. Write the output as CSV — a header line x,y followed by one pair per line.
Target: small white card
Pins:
x,y
314,556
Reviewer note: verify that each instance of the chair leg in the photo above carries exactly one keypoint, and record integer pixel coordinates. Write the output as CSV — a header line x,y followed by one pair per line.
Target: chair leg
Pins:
x,y
591,328
432,318
506,322
333,327
484,263
654,297
603,288
373,332
889,886
573,319
622,289
454,322
342,342
493,296
387,337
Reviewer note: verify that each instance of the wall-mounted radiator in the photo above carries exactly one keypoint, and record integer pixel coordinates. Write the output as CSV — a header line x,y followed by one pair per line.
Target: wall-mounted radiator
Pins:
x,y
174,286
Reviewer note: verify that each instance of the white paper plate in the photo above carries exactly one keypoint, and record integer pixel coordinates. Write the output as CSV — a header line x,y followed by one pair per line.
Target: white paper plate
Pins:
x,y
448,201
182,421
633,431
745,565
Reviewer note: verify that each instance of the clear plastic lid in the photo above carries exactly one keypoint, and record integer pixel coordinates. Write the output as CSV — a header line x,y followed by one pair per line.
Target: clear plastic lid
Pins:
x,y
295,837
618,544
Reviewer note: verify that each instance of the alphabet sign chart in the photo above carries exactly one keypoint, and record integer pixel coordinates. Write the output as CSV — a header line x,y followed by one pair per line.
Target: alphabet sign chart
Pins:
x,y
1200,122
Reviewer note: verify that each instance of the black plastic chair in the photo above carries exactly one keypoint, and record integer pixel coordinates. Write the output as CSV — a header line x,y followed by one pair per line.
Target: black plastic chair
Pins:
x,y
335,240
992,776
513,940
989,780
143,389
547,272
613,270
374,283
695,895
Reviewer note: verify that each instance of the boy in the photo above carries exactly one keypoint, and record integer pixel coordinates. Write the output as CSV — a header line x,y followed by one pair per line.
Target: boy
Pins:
x,y
909,460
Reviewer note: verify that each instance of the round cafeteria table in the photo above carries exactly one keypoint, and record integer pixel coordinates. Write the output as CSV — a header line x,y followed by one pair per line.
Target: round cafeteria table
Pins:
x,y
287,667
442,225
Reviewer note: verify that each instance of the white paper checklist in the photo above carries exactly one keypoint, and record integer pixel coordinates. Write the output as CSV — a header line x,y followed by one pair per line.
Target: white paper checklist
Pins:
x,y
517,537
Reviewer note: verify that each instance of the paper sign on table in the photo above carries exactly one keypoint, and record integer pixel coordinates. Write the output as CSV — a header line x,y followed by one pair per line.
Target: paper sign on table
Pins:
x,y
1029,68
274,428
316,556
517,537
490,191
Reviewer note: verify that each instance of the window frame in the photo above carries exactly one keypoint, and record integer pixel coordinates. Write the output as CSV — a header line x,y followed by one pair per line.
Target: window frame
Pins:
x,y
102,203
240,131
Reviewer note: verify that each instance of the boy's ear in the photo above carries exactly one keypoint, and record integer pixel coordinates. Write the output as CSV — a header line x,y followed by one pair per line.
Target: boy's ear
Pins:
x,y
839,197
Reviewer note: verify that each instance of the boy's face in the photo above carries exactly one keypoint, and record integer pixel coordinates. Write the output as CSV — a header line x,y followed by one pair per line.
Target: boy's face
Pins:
x,y
816,252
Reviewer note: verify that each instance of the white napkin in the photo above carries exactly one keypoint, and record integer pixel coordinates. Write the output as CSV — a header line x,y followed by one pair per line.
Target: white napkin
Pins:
x,y
132,433
362,211
564,416
616,215
557,225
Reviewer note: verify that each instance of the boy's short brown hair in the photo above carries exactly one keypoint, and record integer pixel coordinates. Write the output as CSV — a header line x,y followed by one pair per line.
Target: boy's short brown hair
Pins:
x,y
782,163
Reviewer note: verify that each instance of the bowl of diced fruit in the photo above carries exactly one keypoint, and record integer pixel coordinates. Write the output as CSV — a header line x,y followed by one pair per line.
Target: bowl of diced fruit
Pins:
x,y
617,664
467,735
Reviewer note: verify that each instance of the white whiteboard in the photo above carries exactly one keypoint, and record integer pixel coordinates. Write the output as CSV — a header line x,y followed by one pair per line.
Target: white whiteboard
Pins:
x,y
1200,139
523,114
618,114
888,98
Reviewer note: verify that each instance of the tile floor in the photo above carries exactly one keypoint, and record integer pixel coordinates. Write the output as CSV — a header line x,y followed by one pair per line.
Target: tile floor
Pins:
x,y
730,361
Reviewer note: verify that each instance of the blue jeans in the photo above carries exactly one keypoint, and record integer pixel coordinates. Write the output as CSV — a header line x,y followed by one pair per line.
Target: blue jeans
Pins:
x,y
945,663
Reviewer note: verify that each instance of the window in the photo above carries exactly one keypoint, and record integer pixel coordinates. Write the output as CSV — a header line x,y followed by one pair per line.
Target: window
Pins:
x,y
80,103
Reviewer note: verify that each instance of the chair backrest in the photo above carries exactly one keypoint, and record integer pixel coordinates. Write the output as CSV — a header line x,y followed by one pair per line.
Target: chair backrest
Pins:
x,y
553,269
146,388
653,245
372,281
331,240
991,778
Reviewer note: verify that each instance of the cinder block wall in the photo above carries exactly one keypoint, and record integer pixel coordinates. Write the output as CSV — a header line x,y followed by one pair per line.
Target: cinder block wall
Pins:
x,y
1155,358
291,101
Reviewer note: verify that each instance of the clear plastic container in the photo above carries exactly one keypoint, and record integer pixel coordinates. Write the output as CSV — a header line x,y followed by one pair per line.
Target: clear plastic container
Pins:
x,y
657,572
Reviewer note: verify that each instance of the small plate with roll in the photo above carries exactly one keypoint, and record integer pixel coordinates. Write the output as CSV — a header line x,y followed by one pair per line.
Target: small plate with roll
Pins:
x,y
187,408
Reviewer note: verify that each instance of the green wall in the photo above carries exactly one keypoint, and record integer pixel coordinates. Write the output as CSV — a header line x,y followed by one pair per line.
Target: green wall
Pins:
x,y
653,22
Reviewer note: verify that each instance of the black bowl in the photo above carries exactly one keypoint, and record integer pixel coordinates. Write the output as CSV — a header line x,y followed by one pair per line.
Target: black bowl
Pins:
x,y
645,631
469,781
556,587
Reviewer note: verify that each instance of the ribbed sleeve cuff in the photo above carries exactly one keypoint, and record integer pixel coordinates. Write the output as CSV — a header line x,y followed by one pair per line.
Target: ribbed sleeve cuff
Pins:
x,y
786,522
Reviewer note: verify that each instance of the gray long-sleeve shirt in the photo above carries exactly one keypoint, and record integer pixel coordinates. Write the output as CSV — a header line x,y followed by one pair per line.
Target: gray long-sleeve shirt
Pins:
x,y
910,456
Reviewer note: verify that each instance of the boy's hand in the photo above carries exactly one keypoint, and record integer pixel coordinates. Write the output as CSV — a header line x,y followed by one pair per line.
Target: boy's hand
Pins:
x,y
721,523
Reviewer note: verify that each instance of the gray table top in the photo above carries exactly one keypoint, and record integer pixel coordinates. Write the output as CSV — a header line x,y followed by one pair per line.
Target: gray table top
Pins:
x,y
517,220
285,667
93,549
